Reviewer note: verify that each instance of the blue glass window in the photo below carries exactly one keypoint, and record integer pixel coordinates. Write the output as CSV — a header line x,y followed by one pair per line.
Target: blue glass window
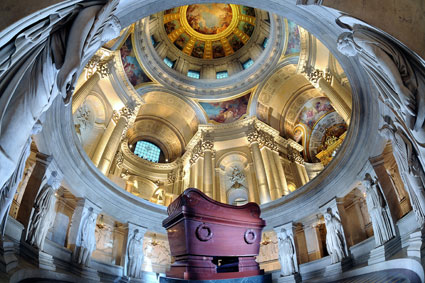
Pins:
x,y
154,42
168,62
248,63
147,150
222,75
193,74
265,42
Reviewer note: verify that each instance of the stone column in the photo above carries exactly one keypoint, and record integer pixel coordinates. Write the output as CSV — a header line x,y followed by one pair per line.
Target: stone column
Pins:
x,y
251,192
281,174
287,253
208,168
255,136
40,173
387,186
260,172
343,92
269,173
104,139
297,166
277,174
114,141
192,175
337,101
132,256
81,94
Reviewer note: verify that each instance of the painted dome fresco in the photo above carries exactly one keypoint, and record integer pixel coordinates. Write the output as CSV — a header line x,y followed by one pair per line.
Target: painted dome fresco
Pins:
x,y
209,31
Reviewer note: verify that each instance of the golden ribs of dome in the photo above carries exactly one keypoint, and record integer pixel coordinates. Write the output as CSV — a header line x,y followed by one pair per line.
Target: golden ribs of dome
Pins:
x,y
209,40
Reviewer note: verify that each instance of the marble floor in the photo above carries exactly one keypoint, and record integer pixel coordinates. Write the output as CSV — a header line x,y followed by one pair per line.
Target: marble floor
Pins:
x,y
386,276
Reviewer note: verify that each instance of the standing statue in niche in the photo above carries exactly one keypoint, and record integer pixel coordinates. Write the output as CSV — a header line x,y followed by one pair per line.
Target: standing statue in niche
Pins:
x,y
41,62
391,69
378,211
335,241
43,213
135,255
86,240
287,257
410,169
8,190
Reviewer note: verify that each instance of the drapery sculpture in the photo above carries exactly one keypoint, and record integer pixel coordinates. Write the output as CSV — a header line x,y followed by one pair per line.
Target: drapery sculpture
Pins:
x,y
135,255
86,240
287,257
391,69
409,167
335,241
377,207
43,212
9,188
38,64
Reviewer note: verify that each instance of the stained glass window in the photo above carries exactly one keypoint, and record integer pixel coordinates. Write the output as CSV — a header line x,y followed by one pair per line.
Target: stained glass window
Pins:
x,y
193,74
248,63
222,75
168,62
147,150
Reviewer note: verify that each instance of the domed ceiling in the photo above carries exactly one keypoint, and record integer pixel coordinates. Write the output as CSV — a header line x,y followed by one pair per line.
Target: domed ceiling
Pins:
x,y
209,31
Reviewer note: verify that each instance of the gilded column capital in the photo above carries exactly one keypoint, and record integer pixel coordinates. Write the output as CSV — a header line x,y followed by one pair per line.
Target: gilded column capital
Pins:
x,y
261,137
99,63
115,116
171,177
119,159
294,155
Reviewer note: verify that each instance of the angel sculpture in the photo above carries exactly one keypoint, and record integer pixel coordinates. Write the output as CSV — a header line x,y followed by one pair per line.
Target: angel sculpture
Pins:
x,y
30,79
391,68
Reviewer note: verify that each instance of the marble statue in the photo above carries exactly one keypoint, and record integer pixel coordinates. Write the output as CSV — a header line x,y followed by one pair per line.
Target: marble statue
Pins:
x,y
135,255
60,45
86,240
410,169
43,213
391,69
335,241
287,258
382,226
9,188
237,178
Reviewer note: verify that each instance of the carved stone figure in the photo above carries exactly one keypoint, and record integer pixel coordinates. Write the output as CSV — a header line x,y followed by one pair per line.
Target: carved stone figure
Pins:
x,y
86,240
335,241
410,169
236,178
9,188
378,211
287,257
31,78
43,213
135,255
391,69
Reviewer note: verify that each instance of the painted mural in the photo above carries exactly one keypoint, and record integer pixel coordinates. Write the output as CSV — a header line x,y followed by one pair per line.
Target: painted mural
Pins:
x,y
171,26
218,50
227,111
182,40
249,11
132,68
209,18
246,28
172,11
235,42
198,49
293,39
313,110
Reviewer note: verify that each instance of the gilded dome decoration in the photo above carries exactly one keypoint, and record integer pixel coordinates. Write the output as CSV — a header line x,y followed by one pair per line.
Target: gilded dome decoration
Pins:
x,y
209,31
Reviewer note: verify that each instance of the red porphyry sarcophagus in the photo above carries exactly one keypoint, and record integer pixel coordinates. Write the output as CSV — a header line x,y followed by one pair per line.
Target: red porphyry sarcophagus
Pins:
x,y
212,240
